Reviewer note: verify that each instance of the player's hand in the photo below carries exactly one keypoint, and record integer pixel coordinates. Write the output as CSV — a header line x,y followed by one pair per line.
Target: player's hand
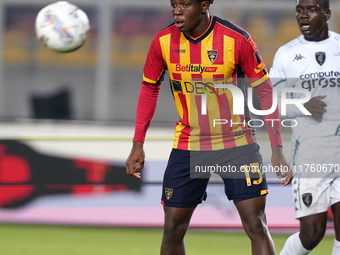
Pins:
x,y
281,163
135,161
315,106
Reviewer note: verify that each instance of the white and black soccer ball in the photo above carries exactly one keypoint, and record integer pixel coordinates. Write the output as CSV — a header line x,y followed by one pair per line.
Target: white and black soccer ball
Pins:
x,y
62,27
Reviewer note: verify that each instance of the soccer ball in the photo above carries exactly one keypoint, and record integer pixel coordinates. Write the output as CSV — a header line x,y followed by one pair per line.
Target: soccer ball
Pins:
x,y
62,27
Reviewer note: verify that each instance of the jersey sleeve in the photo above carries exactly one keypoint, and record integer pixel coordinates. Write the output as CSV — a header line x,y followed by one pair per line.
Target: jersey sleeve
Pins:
x,y
251,62
154,69
154,65
278,70
146,107
264,93
280,79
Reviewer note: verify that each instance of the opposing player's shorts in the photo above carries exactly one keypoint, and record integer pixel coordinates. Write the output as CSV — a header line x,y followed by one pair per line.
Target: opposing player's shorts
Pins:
x,y
188,172
316,183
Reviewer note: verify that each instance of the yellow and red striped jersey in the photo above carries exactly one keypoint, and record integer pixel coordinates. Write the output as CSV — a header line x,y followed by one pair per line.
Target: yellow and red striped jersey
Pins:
x,y
195,64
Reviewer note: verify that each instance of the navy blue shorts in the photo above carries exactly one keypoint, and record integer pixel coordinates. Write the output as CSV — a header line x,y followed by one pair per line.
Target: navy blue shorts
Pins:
x,y
188,172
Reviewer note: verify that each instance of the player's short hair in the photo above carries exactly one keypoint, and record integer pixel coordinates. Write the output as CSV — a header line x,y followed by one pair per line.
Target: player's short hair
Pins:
x,y
324,4
210,1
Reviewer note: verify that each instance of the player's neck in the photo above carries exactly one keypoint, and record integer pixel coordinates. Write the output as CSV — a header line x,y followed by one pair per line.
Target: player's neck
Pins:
x,y
318,36
204,26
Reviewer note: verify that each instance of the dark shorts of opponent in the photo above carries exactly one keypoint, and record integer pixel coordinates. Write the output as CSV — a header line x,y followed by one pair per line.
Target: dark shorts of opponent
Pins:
x,y
188,172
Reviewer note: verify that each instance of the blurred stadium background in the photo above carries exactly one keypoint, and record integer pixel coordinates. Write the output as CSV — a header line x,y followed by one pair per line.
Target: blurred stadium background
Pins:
x,y
66,120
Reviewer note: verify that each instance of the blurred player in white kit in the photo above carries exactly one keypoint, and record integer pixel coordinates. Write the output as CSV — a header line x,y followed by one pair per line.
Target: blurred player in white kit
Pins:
x,y
312,62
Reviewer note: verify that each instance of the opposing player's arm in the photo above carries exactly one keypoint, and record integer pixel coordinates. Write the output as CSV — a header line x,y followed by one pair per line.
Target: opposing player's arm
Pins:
x,y
316,106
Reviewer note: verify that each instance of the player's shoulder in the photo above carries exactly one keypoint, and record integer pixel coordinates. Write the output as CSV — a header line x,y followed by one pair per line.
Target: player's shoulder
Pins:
x,y
231,29
335,36
297,42
289,47
167,30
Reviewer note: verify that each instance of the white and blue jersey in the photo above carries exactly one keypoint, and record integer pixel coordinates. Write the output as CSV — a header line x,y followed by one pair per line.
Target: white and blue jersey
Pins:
x,y
315,67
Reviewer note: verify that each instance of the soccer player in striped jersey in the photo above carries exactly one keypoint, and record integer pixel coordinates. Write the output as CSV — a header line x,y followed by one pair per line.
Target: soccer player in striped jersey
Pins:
x,y
311,62
199,51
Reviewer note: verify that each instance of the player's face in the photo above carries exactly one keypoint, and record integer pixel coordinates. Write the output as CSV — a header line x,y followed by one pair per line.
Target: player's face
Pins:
x,y
312,20
190,16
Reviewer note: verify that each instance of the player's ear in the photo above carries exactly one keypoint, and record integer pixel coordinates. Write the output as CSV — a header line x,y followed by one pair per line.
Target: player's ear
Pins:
x,y
328,14
205,6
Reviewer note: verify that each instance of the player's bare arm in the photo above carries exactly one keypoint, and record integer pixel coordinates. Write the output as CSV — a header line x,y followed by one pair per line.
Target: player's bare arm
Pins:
x,y
316,106
279,160
135,161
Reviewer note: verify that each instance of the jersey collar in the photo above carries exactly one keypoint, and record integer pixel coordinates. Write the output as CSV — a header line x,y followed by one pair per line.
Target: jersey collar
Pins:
x,y
199,38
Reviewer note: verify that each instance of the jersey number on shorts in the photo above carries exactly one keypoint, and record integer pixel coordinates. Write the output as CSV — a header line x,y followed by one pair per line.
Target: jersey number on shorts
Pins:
x,y
253,168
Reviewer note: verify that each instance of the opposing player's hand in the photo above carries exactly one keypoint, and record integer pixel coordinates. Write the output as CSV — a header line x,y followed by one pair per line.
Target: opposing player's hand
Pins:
x,y
280,162
135,161
315,106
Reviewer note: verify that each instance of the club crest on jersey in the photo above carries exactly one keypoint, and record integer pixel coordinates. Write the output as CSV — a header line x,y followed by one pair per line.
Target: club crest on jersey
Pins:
x,y
307,199
320,57
212,54
168,193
